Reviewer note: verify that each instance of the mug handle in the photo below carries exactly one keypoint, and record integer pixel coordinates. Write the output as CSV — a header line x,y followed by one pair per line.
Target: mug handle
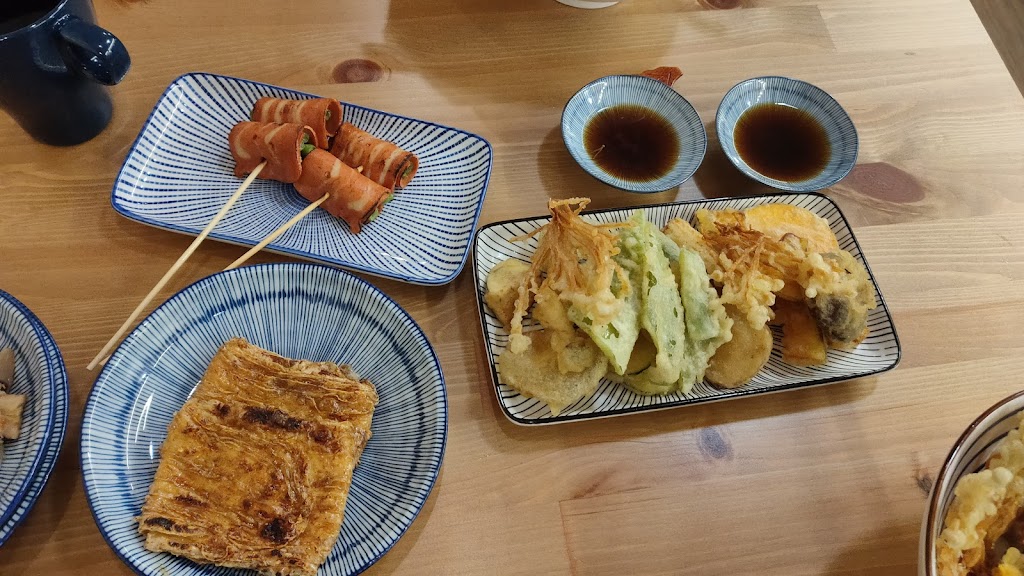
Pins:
x,y
94,52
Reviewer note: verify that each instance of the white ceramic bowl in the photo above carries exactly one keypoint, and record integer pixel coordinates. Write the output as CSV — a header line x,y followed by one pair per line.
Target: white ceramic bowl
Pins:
x,y
969,454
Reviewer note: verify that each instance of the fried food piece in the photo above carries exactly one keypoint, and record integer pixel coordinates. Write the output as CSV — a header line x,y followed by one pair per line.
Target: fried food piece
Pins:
x,y
576,260
841,296
752,268
617,338
503,282
1012,564
535,373
738,360
802,344
777,220
783,222
708,326
961,546
661,308
686,236
563,338
747,263
11,406
257,464
984,505
6,369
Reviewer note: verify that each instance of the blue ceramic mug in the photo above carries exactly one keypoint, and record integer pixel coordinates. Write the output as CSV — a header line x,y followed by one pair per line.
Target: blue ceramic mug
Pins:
x,y
55,64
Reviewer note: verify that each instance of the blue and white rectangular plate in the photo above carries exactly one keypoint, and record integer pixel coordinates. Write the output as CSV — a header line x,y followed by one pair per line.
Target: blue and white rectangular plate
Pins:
x,y
179,173
879,352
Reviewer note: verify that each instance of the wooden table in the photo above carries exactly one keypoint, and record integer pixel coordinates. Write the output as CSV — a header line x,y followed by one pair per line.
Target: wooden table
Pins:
x,y
825,480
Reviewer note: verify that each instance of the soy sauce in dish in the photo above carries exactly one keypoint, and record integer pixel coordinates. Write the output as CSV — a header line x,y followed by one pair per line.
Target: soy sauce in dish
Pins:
x,y
631,142
782,142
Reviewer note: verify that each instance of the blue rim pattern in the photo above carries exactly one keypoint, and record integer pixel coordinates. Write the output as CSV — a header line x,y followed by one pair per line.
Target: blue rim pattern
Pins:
x,y
823,107
879,352
640,90
179,172
298,310
53,446
41,377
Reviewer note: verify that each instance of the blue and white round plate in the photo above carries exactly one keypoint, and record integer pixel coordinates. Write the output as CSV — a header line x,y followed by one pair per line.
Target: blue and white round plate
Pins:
x,y
842,135
302,311
39,375
609,91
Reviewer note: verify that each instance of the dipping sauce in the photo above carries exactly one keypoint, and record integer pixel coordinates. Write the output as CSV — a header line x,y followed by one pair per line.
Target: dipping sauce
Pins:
x,y
782,142
632,142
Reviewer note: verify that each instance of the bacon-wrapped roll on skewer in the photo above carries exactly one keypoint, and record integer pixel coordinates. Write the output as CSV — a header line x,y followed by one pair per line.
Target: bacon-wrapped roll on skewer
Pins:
x,y
382,161
353,197
281,145
323,115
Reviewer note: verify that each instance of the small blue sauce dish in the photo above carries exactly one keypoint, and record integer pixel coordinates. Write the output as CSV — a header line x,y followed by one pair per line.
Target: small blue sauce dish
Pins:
x,y
634,133
786,133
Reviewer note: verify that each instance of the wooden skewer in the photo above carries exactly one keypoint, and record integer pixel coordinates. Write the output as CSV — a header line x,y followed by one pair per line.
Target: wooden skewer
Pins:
x,y
277,233
103,354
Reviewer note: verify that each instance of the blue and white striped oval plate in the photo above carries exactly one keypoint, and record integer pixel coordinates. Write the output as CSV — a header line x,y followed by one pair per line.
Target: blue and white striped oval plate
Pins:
x,y
879,352
53,446
179,173
39,374
300,311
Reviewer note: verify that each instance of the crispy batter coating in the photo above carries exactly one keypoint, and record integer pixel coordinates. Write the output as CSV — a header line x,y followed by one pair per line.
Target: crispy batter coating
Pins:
x,y
536,373
984,505
802,344
576,260
503,283
738,360
753,261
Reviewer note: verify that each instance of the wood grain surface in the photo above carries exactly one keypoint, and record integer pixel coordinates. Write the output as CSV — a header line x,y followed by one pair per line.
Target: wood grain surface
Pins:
x,y
829,480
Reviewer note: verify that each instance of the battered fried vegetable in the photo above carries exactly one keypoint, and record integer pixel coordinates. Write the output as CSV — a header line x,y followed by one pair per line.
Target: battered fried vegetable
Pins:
x,y
575,259
708,326
617,337
984,505
535,374
684,235
661,311
739,359
754,258
644,305
802,344
503,283
562,335
705,315
777,220
840,296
